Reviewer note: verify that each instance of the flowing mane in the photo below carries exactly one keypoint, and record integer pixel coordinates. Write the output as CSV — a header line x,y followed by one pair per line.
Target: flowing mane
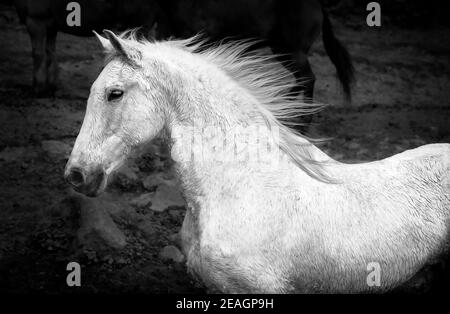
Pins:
x,y
267,80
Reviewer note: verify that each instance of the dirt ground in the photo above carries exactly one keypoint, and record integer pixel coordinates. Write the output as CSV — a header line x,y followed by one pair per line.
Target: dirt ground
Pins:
x,y
401,100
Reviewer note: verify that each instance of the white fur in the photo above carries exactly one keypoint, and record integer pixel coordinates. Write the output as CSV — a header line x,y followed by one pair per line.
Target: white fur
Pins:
x,y
311,224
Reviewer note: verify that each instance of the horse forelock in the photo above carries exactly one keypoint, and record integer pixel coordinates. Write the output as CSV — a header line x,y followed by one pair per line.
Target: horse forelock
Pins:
x,y
264,77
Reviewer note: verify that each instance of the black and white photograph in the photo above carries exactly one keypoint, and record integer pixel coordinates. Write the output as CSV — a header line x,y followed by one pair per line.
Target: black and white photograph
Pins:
x,y
224,147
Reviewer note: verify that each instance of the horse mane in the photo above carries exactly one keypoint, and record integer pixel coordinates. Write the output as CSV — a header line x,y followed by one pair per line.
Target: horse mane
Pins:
x,y
269,82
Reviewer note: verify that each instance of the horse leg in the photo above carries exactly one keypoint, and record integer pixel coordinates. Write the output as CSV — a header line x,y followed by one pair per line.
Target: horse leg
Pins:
x,y
304,76
298,26
304,86
52,64
38,33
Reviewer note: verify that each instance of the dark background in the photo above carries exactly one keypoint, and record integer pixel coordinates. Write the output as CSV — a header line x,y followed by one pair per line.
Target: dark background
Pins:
x,y
400,101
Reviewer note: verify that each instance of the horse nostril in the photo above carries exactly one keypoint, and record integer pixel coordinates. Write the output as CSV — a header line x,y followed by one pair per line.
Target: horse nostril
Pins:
x,y
75,177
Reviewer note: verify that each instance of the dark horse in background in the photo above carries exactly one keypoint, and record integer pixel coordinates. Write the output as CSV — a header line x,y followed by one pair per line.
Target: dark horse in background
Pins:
x,y
44,18
289,27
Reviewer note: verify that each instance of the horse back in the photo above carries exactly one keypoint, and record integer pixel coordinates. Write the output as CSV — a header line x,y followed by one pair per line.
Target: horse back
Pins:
x,y
441,150
293,20
430,163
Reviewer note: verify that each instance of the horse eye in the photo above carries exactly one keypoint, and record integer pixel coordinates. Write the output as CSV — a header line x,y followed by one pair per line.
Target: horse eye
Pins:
x,y
115,94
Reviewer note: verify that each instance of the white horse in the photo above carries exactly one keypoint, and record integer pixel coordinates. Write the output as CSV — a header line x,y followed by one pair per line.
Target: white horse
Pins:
x,y
305,223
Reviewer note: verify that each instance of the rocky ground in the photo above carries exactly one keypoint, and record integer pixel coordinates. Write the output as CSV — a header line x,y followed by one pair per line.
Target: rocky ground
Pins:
x,y
125,241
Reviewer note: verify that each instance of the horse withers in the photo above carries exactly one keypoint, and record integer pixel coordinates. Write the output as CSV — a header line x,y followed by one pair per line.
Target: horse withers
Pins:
x,y
268,212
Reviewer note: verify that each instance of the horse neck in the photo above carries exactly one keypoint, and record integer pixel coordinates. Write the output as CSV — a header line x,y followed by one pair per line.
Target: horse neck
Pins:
x,y
217,103
213,109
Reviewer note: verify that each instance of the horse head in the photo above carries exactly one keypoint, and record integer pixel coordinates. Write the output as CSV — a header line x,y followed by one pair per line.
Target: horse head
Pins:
x,y
123,111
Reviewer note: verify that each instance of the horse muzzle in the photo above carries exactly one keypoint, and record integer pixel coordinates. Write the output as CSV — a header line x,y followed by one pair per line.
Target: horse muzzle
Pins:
x,y
89,182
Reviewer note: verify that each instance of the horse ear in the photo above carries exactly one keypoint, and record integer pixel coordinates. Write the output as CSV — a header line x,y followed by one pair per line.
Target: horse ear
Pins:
x,y
122,47
104,42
